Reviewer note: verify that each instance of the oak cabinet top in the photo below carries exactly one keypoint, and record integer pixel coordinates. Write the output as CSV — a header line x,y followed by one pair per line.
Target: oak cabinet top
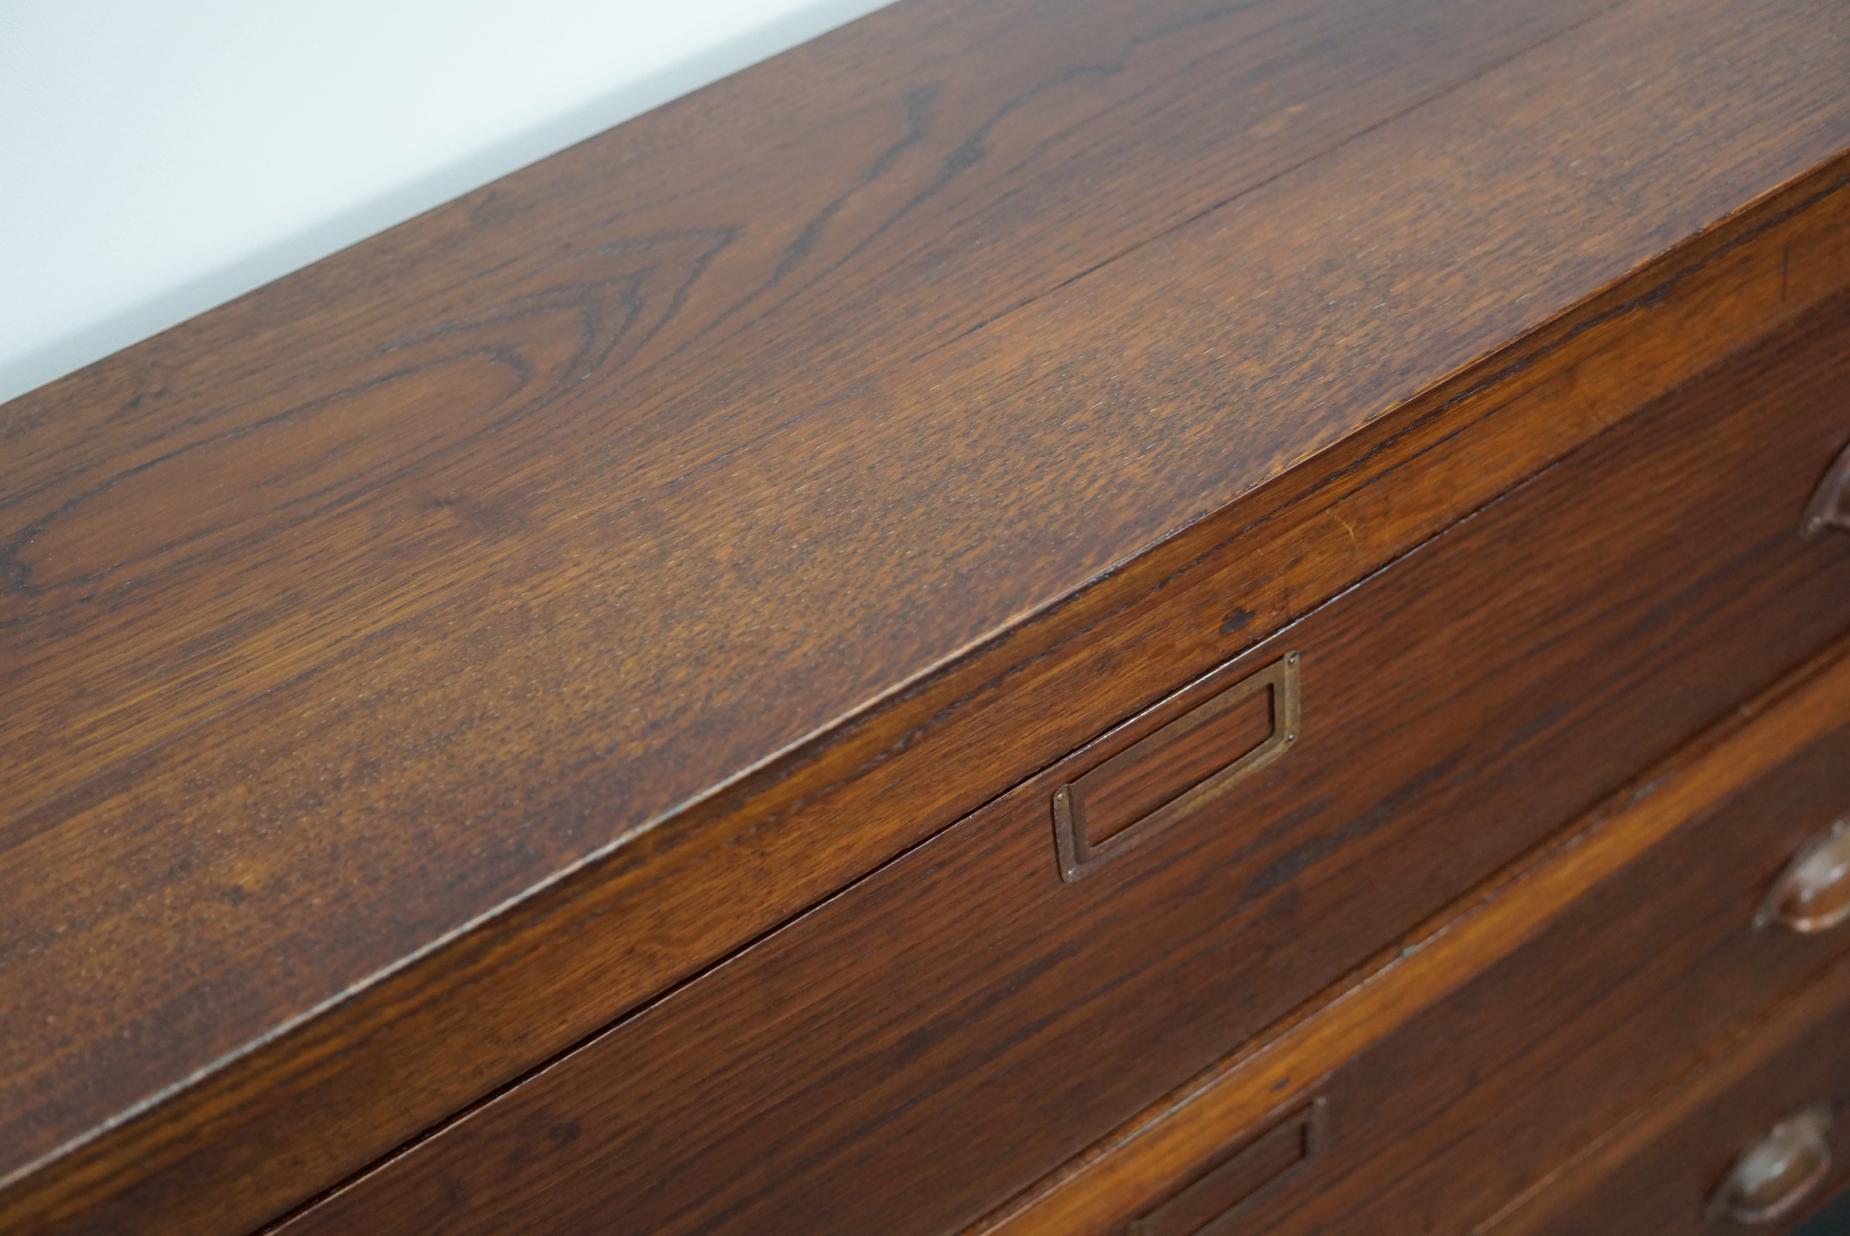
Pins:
x,y
517,547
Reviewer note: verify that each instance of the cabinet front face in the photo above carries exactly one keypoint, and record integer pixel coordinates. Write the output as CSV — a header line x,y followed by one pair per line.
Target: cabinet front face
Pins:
x,y
1507,1036
1749,1140
942,1033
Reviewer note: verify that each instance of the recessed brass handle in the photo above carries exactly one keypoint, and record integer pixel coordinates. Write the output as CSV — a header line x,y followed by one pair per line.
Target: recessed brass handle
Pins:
x,y
1830,505
1773,1177
1170,774
1813,893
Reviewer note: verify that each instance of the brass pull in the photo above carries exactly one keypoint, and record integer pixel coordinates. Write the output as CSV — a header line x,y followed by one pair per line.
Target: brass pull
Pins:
x,y
1830,506
1773,1177
1242,1179
1170,774
1813,893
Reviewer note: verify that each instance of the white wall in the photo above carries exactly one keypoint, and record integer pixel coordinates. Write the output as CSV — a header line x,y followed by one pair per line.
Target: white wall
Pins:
x,y
158,157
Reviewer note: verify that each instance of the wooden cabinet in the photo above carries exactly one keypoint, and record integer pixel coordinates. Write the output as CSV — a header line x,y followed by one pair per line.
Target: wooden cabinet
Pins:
x,y
1424,729
1115,617
1500,1040
1747,1139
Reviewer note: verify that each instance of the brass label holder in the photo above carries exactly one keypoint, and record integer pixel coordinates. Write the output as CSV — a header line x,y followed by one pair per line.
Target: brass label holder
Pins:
x,y
1080,854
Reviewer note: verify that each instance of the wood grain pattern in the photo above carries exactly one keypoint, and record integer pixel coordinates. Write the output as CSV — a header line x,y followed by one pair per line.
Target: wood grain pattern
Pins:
x,y
338,618
937,1036
1499,1039
1659,1168
1223,1195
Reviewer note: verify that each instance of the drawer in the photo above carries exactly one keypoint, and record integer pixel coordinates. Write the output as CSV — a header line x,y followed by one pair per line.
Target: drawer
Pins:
x,y
1747,1139
953,1026
1514,1033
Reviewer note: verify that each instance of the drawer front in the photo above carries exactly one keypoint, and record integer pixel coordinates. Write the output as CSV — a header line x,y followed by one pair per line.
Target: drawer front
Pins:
x,y
1689,905
950,1028
1749,1138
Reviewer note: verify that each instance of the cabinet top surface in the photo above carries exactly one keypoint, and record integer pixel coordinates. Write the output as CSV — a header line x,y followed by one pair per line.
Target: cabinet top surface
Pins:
x,y
340,616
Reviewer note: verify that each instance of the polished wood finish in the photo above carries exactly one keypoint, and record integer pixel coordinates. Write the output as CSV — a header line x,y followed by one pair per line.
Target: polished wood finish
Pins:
x,y
1497,1040
1223,1194
417,665
1037,1013
1667,1168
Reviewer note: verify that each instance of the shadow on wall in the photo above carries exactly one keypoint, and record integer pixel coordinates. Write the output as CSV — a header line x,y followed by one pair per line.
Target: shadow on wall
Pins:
x,y
154,314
